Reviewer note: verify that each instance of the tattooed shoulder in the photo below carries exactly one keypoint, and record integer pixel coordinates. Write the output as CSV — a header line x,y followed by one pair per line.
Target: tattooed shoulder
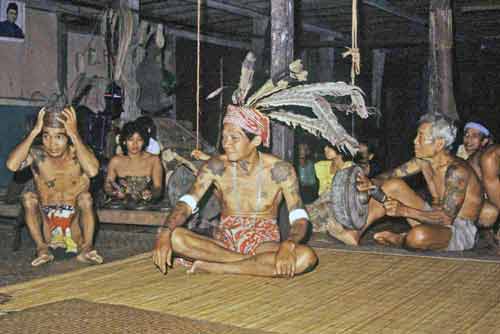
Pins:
x,y
216,166
281,171
456,186
38,154
456,175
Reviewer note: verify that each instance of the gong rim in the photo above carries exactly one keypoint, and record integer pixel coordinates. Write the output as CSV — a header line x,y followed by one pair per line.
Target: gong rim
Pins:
x,y
347,207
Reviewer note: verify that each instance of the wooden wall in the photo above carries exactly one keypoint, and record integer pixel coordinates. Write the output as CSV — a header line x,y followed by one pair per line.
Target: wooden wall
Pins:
x,y
30,66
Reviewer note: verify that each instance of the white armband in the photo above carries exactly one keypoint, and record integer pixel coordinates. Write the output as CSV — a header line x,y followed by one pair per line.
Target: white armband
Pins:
x,y
191,202
297,214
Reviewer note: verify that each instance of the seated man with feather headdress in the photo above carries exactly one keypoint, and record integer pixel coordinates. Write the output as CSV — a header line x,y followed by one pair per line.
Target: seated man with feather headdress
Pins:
x,y
60,213
250,186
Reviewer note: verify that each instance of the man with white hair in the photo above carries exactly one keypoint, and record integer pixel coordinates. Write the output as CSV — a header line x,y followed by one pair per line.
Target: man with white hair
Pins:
x,y
448,223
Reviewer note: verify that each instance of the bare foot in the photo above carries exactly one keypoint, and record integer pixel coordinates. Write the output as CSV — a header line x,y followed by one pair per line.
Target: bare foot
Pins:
x,y
336,230
90,257
43,257
388,238
199,267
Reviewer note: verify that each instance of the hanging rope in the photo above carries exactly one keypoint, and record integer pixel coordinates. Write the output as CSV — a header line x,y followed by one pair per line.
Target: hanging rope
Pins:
x,y
198,77
353,51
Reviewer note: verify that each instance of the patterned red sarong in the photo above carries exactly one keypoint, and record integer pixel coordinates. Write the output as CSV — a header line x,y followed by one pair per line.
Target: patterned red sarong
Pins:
x,y
245,234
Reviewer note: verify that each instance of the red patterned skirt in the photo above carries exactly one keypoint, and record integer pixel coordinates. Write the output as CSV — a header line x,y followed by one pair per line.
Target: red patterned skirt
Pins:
x,y
245,234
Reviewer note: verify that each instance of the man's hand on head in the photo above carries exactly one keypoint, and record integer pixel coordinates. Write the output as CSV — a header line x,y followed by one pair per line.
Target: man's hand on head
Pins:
x,y
69,122
37,129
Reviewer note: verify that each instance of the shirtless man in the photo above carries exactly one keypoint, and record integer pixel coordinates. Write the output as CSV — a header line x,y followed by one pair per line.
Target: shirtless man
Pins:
x,y
447,224
136,174
250,186
477,138
60,213
490,170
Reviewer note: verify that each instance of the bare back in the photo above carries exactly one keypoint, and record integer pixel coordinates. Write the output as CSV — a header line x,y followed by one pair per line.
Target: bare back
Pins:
x,y
58,181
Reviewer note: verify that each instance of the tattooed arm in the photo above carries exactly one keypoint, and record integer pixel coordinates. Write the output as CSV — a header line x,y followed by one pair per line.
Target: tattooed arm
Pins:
x,y
162,253
206,175
456,181
20,157
411,167
284,174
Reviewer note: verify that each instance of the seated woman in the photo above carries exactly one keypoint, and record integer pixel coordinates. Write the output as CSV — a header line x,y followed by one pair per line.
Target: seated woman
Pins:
x,y
319,210
134,178
326,169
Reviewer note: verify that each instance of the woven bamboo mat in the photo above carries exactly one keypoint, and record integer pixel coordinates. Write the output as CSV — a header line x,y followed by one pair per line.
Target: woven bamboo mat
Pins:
x,y
347,293
77,316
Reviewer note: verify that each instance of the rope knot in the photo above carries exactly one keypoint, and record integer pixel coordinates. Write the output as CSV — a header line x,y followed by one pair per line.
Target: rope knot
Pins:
x,y
356,58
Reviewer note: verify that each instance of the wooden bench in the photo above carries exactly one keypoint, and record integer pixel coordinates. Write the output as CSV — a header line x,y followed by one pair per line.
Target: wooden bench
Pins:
x,y
106,216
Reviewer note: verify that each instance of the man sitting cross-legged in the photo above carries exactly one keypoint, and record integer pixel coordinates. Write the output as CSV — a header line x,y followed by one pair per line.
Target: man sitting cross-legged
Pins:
x,y
447,224
60,212
250,186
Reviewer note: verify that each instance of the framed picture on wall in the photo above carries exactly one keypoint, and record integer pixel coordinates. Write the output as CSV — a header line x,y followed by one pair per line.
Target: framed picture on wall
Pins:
x,y
12,20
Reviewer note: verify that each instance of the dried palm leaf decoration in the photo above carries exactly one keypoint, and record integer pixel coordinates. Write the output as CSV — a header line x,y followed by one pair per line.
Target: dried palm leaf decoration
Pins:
x,y
287,90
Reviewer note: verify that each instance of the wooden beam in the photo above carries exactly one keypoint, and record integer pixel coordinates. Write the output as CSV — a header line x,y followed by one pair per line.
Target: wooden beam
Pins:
x,y
239,10
169,10
480,8
370,44
325,31
386,6
209,39
132,217
243,11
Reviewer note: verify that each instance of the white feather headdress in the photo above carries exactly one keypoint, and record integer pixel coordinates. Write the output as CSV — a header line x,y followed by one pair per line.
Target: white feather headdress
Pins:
x,y
275,94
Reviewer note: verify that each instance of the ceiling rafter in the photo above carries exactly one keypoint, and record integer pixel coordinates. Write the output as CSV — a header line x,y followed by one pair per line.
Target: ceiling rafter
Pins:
x,y
386,6
244,11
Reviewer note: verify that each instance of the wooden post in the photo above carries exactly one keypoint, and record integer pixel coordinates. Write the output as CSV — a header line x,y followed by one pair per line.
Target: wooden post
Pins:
x,y
170,64
378,80
282,35
132,59
258,44
62,55
441,97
